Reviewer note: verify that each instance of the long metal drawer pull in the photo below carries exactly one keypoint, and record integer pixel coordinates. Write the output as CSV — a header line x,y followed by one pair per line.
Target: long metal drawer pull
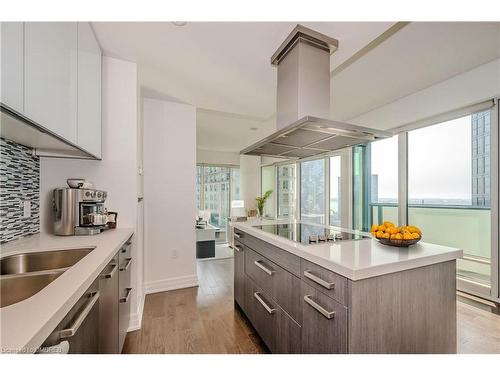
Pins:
x,y
318,280
237,235
327,314
129,260
125,299
110,274
259,264
71,331
266,306
238,248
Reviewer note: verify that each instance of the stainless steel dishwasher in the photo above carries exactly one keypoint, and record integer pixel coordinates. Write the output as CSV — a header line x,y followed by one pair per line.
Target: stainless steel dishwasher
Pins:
x,y
80,327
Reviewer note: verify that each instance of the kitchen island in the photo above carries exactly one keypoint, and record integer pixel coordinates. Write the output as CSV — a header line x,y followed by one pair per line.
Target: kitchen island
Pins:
x,y
345,296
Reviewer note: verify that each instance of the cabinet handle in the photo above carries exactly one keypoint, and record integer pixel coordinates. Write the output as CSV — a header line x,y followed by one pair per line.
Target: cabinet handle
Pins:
x,y
129,260
327,314
110,274
266,306
126,246
317,280
259,264
237,235
238,248
125,299
71,331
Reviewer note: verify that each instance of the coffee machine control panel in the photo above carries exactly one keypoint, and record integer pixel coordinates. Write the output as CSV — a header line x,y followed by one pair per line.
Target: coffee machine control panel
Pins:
x,y
93,195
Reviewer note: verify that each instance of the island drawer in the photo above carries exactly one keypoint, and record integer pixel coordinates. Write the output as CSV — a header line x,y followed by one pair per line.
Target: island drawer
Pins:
x,y
239,235
326,328
279,331
326,281
238,244
279,283
281,257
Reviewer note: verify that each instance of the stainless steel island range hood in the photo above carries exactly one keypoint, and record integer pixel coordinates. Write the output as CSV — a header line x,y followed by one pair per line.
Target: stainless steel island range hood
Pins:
x,y
303,102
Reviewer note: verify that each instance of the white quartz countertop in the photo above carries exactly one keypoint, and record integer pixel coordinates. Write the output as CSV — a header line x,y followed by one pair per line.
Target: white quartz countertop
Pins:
x,y
25,325
358,259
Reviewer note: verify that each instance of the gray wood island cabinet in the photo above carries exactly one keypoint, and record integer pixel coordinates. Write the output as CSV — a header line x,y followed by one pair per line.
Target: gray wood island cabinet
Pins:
x,y
297,306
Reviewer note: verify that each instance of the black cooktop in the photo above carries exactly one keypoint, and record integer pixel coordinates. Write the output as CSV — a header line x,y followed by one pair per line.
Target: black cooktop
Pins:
x,y
308,234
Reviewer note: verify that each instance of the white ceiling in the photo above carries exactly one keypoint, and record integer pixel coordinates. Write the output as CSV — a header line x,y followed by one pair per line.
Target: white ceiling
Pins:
x,y
220,66
224,68
222,131
416,57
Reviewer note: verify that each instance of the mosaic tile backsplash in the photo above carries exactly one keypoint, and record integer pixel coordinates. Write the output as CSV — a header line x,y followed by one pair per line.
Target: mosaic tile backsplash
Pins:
x,y
19,182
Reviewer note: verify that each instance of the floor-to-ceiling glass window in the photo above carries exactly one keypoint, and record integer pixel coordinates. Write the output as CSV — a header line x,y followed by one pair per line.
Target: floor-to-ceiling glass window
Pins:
x,y
312,191
199,174
268,182
449,189
335,190
286,190
216,186
235,184
383,181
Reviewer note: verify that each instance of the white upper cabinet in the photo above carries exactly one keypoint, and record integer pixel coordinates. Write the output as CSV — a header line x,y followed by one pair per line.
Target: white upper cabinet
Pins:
x,y
89,90
12,62
50,76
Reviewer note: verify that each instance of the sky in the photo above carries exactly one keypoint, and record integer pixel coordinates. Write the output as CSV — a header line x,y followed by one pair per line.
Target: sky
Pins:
x,y
439,162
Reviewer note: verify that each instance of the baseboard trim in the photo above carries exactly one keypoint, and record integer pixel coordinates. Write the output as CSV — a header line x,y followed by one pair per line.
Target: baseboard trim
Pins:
x,y
171,284
136,319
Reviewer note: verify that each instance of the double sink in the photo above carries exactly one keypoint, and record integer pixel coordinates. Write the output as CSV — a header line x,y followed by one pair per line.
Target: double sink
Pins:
x,y
24,275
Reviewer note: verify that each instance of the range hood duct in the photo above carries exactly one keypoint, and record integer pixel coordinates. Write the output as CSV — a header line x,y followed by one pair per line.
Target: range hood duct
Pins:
x,y
303,102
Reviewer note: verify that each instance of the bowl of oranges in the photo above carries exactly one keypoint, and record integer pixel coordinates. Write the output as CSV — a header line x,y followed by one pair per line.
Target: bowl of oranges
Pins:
x,y
389,234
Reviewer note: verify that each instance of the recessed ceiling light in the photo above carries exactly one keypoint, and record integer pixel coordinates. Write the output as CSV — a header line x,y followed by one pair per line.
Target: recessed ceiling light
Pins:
x,y
254,128
179,23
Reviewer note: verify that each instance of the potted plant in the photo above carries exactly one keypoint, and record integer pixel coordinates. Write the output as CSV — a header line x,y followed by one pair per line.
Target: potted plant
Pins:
x,y
261,201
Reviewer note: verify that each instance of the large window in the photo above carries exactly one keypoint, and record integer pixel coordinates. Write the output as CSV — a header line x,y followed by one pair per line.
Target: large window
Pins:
x,y
375,183
216,186
383,181
268,182
335,190
449,189
312,191
287,190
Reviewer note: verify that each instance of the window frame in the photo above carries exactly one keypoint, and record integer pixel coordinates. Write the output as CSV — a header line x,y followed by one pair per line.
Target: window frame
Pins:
x,y
493,105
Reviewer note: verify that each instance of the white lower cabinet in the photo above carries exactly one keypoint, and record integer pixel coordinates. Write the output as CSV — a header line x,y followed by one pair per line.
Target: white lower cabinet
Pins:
x,y
50,76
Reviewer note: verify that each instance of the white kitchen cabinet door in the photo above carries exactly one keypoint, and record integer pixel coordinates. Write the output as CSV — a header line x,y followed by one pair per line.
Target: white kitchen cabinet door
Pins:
x,y
89,90
12,63
50,76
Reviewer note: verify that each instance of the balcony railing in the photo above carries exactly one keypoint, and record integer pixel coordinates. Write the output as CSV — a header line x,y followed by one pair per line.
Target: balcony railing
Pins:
x,y
464,227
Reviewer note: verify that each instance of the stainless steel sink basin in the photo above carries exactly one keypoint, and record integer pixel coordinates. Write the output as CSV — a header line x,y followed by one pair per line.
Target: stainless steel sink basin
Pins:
x,y
18,287
41,261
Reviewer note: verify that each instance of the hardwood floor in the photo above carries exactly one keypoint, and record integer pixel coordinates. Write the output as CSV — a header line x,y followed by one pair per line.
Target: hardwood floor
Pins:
x,y
203,320
196,320
478,330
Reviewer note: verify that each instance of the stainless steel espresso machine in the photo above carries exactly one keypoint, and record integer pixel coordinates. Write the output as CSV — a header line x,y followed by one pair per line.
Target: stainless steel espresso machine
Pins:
x,y
79,211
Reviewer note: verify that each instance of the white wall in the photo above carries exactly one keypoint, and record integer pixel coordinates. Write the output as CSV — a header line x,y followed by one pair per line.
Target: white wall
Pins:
x,y
170,195
117,171
250,180
217,157
471,87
